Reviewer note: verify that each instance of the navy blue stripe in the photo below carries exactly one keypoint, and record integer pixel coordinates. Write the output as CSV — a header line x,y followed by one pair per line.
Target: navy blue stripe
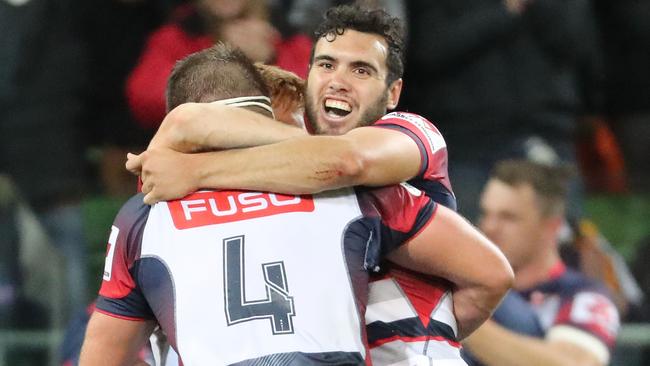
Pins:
x,y
436,191
397,238
301,359
411,327
157,286
132,305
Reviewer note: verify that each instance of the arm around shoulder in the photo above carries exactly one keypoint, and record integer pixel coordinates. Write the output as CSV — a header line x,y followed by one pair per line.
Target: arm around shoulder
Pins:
x,y
193,127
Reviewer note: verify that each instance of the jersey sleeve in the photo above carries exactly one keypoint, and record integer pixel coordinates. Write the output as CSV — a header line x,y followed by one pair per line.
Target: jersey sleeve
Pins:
x,y
400,212
120,295
432,145
589,318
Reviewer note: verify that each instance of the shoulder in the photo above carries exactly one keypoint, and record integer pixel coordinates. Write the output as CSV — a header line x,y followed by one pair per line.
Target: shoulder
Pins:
x,y
169,31
416,126
585,306
174,32
407,118
133,213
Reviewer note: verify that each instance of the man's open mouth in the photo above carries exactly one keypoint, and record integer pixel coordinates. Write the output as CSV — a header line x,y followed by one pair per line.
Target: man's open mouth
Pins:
x,y
337,108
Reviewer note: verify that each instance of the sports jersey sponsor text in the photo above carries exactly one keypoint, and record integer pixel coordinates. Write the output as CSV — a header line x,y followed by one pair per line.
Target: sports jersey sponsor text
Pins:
x,y
210,208
426,130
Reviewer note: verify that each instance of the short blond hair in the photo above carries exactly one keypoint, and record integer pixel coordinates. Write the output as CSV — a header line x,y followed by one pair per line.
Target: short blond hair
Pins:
x,y
550,182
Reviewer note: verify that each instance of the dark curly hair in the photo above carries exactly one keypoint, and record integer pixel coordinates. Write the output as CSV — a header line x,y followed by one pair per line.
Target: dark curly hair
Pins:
x,y
378,22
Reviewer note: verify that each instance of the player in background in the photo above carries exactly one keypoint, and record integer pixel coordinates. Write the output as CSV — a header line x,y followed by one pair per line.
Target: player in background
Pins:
x,y
523,208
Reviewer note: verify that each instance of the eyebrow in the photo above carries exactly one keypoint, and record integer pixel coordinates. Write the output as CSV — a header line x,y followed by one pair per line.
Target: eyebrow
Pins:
x,y
324,57
354,63
365,64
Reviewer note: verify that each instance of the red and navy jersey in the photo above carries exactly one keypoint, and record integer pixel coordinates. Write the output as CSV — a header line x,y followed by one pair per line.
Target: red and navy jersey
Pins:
x,y
433,177
576,309
410,320
410,316
242,278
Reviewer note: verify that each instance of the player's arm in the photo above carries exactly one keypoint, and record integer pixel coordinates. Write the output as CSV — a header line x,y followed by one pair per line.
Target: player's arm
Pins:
x,y
495,345
112,341
451,248
583,333
307,164
122,320
195,127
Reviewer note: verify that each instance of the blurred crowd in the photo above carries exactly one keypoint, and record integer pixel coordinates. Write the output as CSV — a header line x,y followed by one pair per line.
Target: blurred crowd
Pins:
x,y
82,83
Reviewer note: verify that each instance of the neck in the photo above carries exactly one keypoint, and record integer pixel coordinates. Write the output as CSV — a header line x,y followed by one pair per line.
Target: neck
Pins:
x,y
535,272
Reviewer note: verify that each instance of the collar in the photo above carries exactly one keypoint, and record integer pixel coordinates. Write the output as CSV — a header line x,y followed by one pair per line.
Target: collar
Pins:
x,y
557,270
256,100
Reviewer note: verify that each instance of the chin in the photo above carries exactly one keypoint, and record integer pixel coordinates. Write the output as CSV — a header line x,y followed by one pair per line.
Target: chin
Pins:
x,y
335,130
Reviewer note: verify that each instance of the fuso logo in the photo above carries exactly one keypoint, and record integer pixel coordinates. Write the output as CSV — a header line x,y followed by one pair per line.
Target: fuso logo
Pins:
x,y
209,208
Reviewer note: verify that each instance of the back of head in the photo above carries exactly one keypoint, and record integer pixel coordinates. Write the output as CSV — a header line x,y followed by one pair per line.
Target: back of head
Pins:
x,y
364,20
216,73
549,182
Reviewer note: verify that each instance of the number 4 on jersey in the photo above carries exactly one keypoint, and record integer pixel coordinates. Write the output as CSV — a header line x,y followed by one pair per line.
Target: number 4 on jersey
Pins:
x,y
277,306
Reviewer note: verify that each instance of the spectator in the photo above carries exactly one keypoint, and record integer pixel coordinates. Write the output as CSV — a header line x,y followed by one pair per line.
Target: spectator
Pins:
x,y
41,82
491,73
522,212
196,26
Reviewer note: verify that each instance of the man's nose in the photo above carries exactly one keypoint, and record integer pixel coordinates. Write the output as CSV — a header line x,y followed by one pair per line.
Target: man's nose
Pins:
x,y
339,81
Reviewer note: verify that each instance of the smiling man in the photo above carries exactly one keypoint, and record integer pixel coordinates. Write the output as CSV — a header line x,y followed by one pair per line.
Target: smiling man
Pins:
x,y
354,78
339,62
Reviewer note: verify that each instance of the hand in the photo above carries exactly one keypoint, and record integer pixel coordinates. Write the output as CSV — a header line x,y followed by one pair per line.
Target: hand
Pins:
x,y
134,163
516,6
166,174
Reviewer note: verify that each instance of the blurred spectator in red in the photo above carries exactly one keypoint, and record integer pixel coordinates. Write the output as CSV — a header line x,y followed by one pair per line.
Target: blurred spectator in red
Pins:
x,y
198,25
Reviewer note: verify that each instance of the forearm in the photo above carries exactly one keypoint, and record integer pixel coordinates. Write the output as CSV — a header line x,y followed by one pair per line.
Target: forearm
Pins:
x,y
299,166
113,342
495,345
195,127
473,305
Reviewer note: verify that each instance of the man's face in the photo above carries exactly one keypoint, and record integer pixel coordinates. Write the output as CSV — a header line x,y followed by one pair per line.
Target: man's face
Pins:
x,y
346,85
511,218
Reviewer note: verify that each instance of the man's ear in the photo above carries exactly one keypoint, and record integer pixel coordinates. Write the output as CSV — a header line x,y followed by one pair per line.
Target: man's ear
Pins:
x,y
553,225
394,91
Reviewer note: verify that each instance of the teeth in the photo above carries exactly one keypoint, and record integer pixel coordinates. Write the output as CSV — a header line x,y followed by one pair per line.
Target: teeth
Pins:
x,y
331,103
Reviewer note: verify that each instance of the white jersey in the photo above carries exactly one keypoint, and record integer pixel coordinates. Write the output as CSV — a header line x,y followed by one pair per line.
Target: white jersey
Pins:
x,y
238,278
